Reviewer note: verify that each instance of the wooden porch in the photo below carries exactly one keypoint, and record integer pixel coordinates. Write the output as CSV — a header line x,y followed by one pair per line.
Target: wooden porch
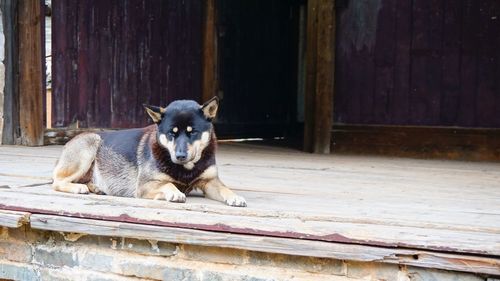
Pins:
x,y
425,213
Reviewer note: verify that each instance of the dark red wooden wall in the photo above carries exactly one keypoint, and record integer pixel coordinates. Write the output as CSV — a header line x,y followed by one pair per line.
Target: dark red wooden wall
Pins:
x,y
425,62
110,57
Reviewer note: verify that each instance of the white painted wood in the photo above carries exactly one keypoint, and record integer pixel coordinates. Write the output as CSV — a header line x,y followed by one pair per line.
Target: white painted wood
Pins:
x,y
13,219
466,263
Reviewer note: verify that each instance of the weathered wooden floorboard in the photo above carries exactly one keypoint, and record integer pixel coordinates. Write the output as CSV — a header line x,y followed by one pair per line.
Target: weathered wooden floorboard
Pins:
x,y
356,233
439,205
405,218
13,219
467,263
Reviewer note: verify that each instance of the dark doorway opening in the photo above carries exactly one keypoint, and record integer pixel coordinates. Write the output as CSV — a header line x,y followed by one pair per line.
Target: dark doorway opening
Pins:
x,y
258,68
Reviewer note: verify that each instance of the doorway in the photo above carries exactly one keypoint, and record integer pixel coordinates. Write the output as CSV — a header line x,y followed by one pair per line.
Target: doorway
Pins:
x,y
258,66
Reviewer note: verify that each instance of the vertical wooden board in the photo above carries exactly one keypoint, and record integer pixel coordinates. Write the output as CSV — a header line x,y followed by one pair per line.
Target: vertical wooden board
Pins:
x,y
426,62
30,73
83,57
343,68
468,69
311,59
155,50
107,85
451,62
11,98
488,64
355,61
324,76
384,62
93,70
44,65
399,105
71,94
63,60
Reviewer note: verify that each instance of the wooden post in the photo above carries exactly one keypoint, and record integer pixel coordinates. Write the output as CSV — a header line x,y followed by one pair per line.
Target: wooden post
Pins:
x,y
10,131
209,86
30,72
320,54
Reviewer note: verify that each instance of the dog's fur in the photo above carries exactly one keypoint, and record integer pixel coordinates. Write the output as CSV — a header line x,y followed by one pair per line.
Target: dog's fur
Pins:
x,y
163,161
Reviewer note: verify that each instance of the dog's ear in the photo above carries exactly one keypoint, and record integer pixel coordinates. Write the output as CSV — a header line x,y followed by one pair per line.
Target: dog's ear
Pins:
x,y
155,112
209,108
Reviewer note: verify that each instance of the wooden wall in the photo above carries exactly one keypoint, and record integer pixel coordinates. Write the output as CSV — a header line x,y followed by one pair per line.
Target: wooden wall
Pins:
x,y
110,57
426,62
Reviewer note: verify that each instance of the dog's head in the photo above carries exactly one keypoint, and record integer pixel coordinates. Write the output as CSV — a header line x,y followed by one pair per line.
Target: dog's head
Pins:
x,y
184,128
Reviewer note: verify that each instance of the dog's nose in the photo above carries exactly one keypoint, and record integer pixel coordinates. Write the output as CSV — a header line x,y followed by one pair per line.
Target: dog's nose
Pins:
x,y
181,156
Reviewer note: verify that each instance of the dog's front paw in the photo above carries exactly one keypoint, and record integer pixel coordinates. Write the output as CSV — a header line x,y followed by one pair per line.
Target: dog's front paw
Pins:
x,y
236,201
79,189
174,196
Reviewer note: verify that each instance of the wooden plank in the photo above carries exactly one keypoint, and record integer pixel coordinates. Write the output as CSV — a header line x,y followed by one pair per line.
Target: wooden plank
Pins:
x,y
468,64
488,63
30,73
420,142
399,105
364,233
451,62
320,54
384,53
13,219
10,130
324,76
402,213
209,63
426,66
310,87
466,263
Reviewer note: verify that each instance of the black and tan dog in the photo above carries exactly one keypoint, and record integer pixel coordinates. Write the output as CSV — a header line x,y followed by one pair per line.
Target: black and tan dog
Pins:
x,y
163,161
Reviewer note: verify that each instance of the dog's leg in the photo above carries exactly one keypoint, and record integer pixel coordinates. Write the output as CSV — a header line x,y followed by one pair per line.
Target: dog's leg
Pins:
x,y
94,189
216,190
158,190
75,161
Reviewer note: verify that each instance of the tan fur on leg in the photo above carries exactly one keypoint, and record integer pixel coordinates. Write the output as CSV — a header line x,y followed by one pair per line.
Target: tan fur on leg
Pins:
x,y
75,161
94,189
214,189
161,191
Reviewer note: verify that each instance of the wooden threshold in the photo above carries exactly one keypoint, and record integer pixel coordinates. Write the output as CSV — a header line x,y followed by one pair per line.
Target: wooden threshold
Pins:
x,y
454,143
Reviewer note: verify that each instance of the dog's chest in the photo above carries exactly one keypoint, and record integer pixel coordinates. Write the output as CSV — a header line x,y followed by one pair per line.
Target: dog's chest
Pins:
x,y
180,174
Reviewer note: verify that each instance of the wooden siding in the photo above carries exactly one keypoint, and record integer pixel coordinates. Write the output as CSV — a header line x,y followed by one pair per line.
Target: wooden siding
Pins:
x,y
110,57
429,62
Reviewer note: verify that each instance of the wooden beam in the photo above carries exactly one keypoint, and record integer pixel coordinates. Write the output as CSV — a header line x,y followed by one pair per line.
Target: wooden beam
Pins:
x,y
320,54
209,63
428,259
13,219
10,131
416,236
31,72
419,142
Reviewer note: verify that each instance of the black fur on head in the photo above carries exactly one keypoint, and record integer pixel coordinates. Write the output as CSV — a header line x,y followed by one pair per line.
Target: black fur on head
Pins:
x,y
184,128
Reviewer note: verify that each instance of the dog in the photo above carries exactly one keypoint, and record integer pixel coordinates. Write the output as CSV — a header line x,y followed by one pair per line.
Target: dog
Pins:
x,y
164,161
